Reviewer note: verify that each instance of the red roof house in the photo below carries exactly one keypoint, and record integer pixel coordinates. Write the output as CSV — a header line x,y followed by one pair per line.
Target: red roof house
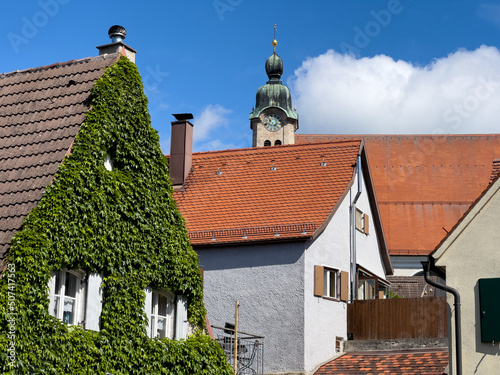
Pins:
x,y
273,229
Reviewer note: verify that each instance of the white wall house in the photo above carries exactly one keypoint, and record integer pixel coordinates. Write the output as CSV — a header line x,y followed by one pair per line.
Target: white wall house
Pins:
x,y
273,230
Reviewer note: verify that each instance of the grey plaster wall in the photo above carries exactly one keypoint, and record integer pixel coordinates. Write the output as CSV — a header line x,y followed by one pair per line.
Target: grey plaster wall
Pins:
x,y
267,280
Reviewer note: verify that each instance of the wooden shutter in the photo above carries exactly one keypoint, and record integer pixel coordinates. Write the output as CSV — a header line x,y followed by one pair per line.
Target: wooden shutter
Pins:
x,y
344,285
366,224
318,280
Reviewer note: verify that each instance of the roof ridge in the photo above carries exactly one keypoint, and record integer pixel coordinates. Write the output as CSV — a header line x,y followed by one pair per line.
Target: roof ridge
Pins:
x,y
272,149
61,64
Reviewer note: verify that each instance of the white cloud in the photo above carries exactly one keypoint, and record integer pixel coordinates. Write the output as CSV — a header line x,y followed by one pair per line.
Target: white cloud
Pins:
x,y
460,93
208,123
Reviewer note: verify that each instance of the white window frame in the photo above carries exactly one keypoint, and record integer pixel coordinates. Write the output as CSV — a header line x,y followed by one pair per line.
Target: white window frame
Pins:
x,y
328,275
176,320
88,298
79,299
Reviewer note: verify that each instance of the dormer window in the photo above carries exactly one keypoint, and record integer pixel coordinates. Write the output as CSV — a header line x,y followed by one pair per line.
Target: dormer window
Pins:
x,y
108,162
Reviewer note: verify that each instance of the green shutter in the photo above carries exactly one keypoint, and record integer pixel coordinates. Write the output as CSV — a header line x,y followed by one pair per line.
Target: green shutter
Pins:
x,y
489,292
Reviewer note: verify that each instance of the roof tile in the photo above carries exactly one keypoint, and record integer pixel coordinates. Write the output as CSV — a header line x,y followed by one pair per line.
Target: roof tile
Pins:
x,y
424,183
271,193
405,363
41,110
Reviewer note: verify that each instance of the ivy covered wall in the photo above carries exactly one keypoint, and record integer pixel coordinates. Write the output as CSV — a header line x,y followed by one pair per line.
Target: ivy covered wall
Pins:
x,y
122,224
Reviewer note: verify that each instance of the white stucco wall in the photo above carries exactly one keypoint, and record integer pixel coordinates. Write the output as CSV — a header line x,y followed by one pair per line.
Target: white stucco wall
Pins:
x,y
267,280
368,254
469,254
325,319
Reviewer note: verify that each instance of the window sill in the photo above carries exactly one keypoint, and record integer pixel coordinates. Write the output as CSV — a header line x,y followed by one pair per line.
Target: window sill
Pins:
x,y
331,298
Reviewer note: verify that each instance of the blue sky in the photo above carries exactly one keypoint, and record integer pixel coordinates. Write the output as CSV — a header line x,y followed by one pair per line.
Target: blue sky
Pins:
x,y
353,67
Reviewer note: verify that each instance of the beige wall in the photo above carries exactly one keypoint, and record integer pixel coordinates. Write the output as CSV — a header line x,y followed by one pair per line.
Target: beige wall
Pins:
x,y
470,253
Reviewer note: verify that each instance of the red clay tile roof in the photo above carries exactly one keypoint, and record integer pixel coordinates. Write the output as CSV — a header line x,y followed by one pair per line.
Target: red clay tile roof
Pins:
x,y
236,196
41,110
424,183
429,362
495,169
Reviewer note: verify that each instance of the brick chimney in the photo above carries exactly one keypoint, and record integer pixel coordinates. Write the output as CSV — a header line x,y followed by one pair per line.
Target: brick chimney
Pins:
x,y
181,148
117,33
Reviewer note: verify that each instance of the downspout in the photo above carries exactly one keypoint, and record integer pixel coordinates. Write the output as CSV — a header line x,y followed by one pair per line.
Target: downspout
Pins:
x,y
429,266
354,280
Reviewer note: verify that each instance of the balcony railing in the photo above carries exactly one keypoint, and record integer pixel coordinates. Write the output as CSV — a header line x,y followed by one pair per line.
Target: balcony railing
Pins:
x,y
249,350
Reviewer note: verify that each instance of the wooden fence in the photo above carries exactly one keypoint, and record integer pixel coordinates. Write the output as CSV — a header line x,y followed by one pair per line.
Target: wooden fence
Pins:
x,y
397,318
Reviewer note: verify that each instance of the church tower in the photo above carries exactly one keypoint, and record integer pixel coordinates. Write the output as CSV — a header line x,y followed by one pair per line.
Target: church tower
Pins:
x,y
273,120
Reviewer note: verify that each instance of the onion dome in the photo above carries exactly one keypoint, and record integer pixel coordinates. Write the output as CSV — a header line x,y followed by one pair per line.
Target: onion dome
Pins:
x,y
274,93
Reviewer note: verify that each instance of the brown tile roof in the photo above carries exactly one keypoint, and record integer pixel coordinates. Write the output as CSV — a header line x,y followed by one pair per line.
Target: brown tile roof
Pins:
x,y
429,362
236,196
41,110
424,183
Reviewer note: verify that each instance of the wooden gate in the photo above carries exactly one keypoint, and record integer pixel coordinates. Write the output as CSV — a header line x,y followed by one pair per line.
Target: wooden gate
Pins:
x,y
397,318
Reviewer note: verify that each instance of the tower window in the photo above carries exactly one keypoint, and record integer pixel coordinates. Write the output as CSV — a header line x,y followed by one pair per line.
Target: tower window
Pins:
x,y
267,143
277,142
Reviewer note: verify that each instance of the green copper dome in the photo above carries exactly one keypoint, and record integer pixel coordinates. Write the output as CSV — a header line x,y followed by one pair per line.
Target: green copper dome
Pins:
x,y
274,67
274,93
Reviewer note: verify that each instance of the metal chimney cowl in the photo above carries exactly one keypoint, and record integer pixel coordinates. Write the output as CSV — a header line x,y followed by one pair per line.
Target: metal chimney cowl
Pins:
x,y
117,34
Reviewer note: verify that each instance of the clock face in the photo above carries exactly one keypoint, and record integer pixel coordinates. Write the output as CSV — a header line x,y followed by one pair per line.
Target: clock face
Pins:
x,y
273,122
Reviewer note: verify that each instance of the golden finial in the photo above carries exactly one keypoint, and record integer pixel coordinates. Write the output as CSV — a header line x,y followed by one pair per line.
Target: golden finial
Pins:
x,y
275,42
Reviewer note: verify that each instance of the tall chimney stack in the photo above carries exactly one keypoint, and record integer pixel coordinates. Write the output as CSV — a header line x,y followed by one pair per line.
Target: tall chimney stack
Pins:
x,y
117,34
181,148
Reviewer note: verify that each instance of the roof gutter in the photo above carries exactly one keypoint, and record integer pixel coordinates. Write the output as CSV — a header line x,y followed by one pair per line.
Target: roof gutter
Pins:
x,y
429,266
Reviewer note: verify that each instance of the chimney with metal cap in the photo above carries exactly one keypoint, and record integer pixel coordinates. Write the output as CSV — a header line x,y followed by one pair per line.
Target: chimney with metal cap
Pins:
x,y
117,34
181,148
